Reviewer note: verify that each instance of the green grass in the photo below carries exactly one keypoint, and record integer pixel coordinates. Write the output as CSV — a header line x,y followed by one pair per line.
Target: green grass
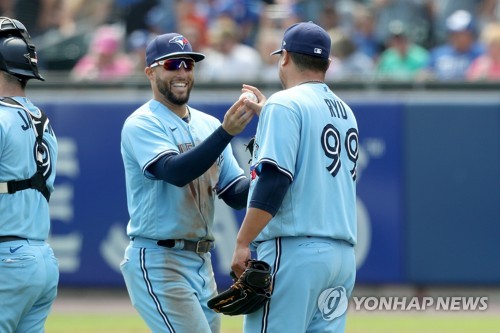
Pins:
x,y
98,323
356,323
115,323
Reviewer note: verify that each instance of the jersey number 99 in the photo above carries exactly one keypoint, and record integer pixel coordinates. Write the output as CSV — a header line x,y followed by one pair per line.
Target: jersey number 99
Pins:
x,y
331,144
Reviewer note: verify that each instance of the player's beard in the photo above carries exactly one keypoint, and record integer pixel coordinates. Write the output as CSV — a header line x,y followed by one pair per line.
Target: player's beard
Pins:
x,y
164,89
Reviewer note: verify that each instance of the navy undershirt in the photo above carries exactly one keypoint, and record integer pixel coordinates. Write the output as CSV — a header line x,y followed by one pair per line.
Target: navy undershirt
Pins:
x,y
270,189
180,169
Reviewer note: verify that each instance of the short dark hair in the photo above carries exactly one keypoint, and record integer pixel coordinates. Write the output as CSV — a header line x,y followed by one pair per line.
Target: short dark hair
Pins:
x,y
305,62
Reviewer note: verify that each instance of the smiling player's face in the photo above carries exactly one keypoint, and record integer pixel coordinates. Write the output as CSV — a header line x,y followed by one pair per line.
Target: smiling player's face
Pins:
x,y
175,85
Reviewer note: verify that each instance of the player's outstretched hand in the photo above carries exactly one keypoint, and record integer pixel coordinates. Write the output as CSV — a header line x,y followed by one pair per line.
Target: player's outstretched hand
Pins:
x,y
237,118
256,106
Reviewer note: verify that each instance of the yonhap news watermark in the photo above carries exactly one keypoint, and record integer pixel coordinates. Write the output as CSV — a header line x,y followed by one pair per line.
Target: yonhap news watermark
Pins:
x,y
414,303
334,302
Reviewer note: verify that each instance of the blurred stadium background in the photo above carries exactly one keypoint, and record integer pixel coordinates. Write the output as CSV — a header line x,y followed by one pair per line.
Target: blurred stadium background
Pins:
x,y
429,165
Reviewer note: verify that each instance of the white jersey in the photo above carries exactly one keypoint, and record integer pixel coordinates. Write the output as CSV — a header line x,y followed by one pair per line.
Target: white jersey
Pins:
x,y
157,209
311,136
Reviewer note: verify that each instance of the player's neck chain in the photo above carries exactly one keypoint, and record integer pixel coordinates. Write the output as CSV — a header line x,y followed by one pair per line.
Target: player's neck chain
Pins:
x,y
311,81
187,116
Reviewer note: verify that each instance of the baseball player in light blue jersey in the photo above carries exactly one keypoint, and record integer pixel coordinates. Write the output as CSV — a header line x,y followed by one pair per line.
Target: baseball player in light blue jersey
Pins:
x,y
301,216
29,272
177,160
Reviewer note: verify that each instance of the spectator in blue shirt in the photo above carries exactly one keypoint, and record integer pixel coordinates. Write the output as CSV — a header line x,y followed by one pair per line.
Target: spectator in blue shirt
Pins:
x,y
451,60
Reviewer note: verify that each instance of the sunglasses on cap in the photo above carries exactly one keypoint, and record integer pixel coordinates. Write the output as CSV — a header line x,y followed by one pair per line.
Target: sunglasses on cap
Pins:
x,y
175,64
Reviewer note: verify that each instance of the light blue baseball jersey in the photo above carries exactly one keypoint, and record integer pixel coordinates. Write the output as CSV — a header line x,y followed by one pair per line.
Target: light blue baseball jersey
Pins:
x,y
157,209
311,135
24,213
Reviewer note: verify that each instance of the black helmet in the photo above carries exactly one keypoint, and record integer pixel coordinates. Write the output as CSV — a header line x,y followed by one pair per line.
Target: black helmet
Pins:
x,y
17,52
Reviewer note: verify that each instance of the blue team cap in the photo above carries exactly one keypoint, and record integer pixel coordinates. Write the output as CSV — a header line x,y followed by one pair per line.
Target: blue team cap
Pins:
x,y
171,45
306,38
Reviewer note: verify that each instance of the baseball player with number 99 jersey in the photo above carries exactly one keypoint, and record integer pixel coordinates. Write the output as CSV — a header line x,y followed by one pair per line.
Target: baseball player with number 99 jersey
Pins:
x,y
301,216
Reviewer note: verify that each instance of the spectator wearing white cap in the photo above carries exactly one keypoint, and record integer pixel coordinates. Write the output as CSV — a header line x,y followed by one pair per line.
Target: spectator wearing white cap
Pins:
x,y
450,61
442,9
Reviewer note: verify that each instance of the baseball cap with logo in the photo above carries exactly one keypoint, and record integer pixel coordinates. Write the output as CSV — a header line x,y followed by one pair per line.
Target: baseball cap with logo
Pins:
x,y
306,38
171,45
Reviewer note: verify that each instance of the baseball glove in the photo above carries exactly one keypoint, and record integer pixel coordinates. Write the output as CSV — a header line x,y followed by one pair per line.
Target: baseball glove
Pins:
x,y
248,293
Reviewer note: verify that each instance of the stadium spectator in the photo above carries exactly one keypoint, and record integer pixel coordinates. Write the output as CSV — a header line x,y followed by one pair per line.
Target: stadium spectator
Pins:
x,y
245,13
62,16
227,58
363,33
267,42
329,17
136,48
105,61
192,24
442,9
139,14
415,13
403,59
487,66
451,60
73,13
347,61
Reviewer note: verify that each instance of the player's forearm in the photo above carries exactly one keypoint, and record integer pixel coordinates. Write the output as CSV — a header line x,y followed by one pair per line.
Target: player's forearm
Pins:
x,y
183,168
254,222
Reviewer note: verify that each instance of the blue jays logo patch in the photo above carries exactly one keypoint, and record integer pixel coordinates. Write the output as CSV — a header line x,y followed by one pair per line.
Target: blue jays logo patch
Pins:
x,y
179,40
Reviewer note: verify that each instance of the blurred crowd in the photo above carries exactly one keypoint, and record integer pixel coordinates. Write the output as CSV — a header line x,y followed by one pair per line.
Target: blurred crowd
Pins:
x,y
105,40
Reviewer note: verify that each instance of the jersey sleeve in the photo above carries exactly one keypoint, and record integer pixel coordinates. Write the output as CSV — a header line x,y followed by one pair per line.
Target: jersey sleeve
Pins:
x,y
278,137
145,140
230,171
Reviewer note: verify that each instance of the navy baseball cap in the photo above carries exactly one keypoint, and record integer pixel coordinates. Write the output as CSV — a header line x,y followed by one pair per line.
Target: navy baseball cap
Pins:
x,y
171,45
306,38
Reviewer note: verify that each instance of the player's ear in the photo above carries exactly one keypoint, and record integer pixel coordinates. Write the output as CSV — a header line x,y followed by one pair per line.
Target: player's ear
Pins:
x,y
149,72
284,58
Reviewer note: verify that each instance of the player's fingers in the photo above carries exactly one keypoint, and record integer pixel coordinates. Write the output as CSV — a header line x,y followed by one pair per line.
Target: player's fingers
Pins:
x,y
240,259
260,96
238,269
235,107
255,106
247,116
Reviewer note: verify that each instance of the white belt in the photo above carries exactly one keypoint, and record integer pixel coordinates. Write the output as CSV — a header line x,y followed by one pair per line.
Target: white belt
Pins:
x,y
4,188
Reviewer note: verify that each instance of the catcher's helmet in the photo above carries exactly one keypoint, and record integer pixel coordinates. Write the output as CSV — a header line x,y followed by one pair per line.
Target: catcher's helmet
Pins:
x,y
17,53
